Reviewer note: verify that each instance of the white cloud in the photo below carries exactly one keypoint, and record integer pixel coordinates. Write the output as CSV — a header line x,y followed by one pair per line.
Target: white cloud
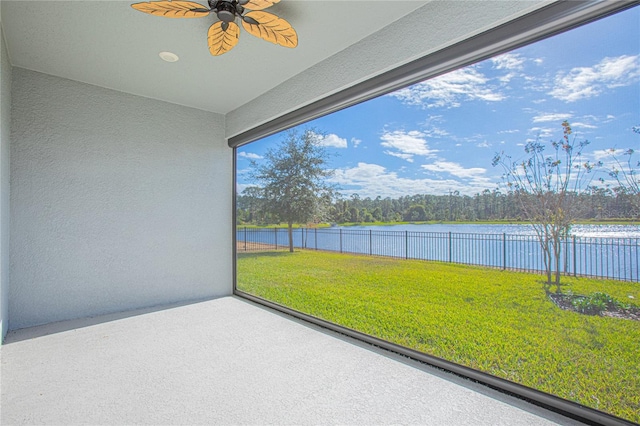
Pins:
x,y
551,117
455,169
249,155
577,125
407,157
331,140
431,119
372,180
406,144
505,79
586,82
508,131
355,142
449,90
610,159
483,144
508,61
430,128
241,187
608,154
435,132
590,119
541,132
511,62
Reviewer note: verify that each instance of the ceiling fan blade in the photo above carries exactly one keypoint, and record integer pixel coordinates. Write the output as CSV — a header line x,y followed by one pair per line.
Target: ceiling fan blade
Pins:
x,y
172,9
269,27
222,37
259,4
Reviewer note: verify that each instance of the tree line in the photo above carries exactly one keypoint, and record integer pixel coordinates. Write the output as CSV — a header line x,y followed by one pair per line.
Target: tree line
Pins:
x,y
489,205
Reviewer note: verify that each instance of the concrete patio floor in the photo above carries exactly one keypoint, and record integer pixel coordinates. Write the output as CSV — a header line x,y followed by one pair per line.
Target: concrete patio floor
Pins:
x,y
228,361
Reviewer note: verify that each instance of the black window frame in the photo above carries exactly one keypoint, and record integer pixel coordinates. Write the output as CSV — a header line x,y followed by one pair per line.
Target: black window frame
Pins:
x,y
542,23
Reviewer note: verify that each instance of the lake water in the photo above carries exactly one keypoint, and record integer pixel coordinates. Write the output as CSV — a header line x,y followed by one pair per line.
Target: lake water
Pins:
x,y
607,251
598,231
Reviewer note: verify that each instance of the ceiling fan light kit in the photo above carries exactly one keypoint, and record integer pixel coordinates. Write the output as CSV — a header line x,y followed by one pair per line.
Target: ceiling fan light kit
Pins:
x,y
168,56
224,34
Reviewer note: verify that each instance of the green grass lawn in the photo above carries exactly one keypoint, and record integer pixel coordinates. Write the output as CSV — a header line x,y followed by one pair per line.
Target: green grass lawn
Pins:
x,y
499,322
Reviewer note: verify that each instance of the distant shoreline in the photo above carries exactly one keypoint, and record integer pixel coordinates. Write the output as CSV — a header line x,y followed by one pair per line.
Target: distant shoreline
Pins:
x,y
633,222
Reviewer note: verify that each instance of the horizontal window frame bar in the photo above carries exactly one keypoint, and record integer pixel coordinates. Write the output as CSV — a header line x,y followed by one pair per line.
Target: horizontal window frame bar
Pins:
x,y
545,400
542,23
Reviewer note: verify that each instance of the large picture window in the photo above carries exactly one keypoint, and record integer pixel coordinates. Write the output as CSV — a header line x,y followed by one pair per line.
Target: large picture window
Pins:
x,y
487,216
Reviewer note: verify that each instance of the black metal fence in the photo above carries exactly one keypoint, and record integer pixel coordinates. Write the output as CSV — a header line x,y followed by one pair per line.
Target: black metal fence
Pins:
x,y
612,258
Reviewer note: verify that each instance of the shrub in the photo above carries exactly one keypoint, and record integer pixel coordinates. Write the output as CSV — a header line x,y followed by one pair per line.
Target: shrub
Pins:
x,y
596,303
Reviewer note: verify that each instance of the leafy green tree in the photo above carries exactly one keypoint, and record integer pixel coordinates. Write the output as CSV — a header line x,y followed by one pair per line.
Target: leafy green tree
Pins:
x,y
416,213
292,179
252,204
366,216
353,215
377,214
546,187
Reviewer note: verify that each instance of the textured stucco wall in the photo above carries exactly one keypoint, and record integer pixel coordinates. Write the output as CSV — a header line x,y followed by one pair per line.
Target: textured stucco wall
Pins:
x,y
117,202
434,26
5,122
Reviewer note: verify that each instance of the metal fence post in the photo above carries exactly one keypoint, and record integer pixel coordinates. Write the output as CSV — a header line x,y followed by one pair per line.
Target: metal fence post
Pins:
x,y
504,251
406,244
566,254
575,258
340,240
637,263
370,243
245,238
450,247
315,237
275,232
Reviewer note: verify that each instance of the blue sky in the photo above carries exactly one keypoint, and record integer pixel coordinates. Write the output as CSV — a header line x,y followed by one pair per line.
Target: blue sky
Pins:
x,y
441,135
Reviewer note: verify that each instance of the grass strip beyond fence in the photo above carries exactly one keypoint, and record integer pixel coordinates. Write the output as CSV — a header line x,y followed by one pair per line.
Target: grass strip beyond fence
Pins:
x,y
499,322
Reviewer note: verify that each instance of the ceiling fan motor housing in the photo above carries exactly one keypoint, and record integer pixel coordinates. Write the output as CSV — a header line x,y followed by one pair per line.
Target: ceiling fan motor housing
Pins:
x,y
226,11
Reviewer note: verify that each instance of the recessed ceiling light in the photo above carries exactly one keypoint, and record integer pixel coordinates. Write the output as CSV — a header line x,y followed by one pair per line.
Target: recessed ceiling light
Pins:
x,y
168,56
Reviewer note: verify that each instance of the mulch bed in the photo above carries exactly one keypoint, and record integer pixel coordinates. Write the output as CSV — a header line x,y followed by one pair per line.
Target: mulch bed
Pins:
x,y
563,301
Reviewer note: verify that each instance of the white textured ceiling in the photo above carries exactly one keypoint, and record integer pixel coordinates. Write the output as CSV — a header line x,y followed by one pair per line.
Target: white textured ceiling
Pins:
x,y
109,44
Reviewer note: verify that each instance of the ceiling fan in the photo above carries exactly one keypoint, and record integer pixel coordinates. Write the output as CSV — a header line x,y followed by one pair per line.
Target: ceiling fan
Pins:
x,y
223,35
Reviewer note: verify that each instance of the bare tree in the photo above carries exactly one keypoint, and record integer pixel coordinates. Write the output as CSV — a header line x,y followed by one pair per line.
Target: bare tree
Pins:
x,y
627,174
547,188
